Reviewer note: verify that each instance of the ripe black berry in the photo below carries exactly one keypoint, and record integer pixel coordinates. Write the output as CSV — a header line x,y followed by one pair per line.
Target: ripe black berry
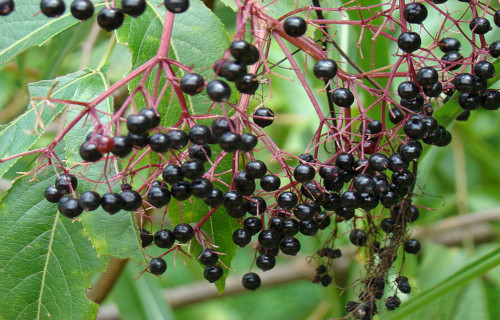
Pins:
x,y
409,41
344,161
295,26
233,70
164,238
232,200
415,128
325,69
248,84
269,238
230,141
397,163
177,6
304,173
484,69
134,8
263,117
222,125
53,195
82,9
122,146
363,183
495,49
218,91
89,152
343,97
244,184
415,13
265,262
63,183
480,25
464,82
244,52
152,117
290,246
358,238
449,45
433,90
137,123
491,100
159,142
427,76
131,200
181,190
158,196
192,169
270,183
350,200
378,162
172,174
52,8
451,60
469,101
256,169
214,199
287,200
200,134
208,257
111,203
213,273
253,225
69,207
110,18
192,83
251,281
408,90
183,232
290,227
201,188
157,266
6,7
90,200
200,152
412,246
248,142
138,140
178,138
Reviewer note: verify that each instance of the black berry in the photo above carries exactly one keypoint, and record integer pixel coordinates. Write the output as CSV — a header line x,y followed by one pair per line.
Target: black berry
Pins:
x,y
52,8
325,69
177,6
110,18
183,232
157,266
82,9
295,26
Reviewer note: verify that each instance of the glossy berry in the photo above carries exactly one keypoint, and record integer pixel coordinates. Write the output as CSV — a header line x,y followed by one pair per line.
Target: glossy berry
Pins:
x,y
469,101
112,203
269,238
244,184
256,206
343,97
270,183
201,188
159,142
363,183
69,207
181,190
350,200
52,8
192,83
494,49
232,200
202,152
290,227
408,90
222,125
378,162
90,200
290,246
242,237
122,146
253,225
164,238
177,6
192,169
218,91
412,246
247,84
449,45
233,70
434,90
88,152
344,161
6,7
409,41
200,134
158,196
484,69
480,25
263,117
265,262
287,200
491,100
178,138
308,227
146,237
415,129
183,232
134,8
137,123
427,76
172,174
152,117
157,266
248,142
304,173
256,169
110,18
464,82
295,26
131,200
214,199
213,273
138,140
358,238
397,163
208,257
244,52
230,141
415,13
82,9
325,69
251,281
52,194
64,181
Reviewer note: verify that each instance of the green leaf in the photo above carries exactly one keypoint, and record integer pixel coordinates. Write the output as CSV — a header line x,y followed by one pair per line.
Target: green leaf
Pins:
x,y
198,39
454,281
45,259
140,298
22,30
21,133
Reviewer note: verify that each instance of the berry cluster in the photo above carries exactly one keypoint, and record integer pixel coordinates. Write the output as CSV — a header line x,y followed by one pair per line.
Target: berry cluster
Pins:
x,y
364,187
